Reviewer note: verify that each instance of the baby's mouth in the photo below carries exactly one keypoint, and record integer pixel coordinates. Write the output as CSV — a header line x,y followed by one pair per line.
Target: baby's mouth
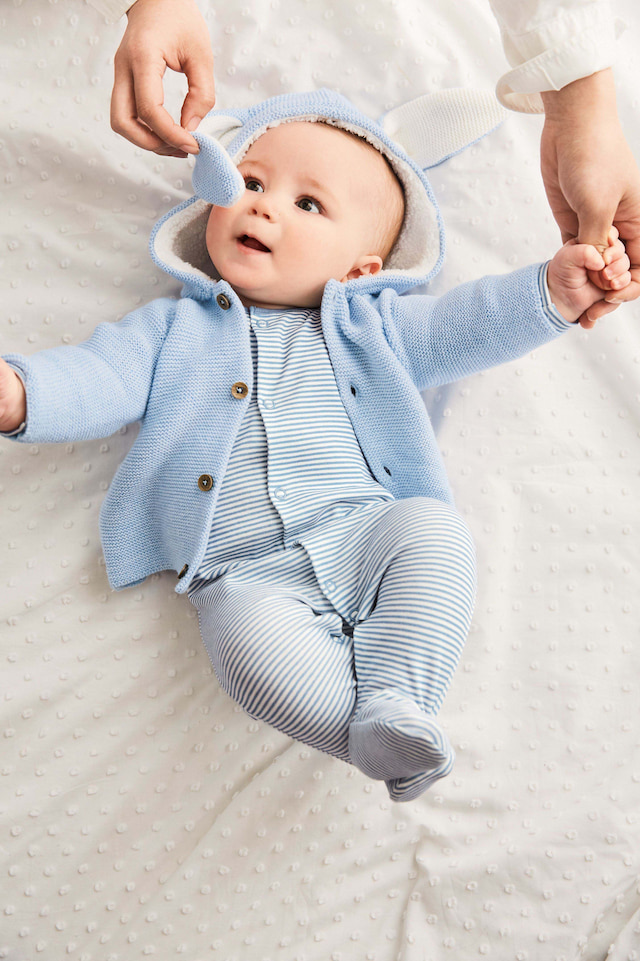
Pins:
x,y
253,243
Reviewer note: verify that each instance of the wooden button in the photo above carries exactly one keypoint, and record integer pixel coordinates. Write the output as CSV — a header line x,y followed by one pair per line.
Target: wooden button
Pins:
x,y
223,301
239,390
183,571
205,482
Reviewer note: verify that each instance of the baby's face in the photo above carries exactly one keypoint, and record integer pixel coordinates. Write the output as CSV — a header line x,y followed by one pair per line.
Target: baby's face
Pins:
x,y
305,216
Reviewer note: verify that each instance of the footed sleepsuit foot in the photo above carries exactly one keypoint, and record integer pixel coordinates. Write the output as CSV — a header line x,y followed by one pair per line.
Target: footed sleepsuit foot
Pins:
x,y
391,739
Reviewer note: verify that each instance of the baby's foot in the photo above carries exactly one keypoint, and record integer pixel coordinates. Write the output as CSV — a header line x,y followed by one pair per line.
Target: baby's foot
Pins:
x,y
409,788
391,739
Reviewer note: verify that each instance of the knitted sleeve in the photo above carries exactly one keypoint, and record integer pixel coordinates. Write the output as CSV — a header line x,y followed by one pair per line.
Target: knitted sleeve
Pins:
x,y
92,389
474,326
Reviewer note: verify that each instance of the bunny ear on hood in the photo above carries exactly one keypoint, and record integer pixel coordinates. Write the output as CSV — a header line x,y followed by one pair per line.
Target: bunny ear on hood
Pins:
x,y
215,179
436,126
413,137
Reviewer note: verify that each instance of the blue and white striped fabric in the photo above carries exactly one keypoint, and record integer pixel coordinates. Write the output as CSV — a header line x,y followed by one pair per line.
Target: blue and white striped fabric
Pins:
x,y
296,464
554,315
329,609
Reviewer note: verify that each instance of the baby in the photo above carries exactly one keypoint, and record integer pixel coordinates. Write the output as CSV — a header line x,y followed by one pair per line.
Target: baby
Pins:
x,y
285,466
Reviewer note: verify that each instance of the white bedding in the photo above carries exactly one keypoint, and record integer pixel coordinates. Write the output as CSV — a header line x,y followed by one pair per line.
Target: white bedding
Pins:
x,y
143,814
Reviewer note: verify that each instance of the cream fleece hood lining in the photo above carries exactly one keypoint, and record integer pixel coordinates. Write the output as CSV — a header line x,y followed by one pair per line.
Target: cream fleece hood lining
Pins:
x,y
178,243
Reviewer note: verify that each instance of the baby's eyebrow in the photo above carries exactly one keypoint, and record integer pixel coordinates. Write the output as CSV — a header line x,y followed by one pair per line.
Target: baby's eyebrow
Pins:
x,y
317,187
250,163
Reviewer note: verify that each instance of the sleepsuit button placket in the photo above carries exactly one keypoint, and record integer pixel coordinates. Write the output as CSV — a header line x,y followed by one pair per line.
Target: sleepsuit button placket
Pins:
x,y
294,431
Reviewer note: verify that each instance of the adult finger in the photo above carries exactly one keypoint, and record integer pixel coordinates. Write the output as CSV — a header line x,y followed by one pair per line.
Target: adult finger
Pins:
x,y
594,227
201,95
149,98
588,319
124,112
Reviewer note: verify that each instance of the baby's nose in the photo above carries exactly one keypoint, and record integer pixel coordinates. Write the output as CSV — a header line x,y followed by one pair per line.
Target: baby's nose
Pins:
x,y
264,207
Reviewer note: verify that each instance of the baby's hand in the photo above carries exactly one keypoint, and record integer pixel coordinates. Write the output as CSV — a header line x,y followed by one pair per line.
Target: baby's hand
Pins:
x,y
572,291
13,406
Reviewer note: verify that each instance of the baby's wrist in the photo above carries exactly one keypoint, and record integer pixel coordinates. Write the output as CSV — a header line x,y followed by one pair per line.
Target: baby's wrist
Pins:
x,y
14,411
569,313
553,299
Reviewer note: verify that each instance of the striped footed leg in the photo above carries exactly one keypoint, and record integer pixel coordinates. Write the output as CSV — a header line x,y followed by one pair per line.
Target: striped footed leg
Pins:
x,y
282,661
420,568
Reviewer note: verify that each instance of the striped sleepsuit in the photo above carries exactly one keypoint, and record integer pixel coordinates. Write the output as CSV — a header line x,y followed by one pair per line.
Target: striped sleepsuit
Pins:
x,y
330,609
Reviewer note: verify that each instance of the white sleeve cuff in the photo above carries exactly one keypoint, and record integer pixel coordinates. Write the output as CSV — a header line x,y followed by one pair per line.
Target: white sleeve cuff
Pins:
x,y
14,433
112,9
18,430
548,55
553,314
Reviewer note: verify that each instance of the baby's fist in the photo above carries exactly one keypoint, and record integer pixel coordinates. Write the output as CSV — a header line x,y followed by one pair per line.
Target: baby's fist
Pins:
x,y
572,291
13,403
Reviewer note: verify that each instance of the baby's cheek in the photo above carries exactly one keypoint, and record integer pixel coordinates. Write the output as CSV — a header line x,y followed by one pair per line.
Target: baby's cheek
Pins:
x,y
208,239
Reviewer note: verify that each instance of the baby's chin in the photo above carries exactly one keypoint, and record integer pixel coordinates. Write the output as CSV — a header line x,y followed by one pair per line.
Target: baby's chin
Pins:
x,y
276,300
272,293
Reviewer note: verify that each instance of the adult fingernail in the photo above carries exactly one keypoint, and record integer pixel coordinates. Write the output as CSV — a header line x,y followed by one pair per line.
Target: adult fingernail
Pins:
x,y
193,123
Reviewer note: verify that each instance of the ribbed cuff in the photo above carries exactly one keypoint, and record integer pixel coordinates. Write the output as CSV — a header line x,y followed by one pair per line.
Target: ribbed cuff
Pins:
x,y
553,314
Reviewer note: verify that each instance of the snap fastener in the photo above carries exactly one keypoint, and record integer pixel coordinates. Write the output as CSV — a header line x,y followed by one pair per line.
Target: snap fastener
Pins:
x,y
239,390
205,482
223,301
183,571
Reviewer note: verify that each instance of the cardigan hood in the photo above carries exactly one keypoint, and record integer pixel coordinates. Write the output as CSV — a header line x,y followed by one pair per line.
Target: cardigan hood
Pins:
x,y
413,137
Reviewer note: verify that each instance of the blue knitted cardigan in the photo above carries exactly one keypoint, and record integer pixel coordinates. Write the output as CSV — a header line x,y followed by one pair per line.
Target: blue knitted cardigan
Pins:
x,y
171,364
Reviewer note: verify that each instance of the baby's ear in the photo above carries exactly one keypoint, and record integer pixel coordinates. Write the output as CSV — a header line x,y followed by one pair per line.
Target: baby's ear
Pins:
x,y
216,178
436,126
366,266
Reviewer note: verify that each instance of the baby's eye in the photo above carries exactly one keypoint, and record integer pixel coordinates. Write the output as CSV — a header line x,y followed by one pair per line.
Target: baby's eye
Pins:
x,y
251,184
307,203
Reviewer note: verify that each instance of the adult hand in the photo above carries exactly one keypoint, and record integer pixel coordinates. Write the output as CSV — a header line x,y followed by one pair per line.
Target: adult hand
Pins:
x,y
591,177
161,34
